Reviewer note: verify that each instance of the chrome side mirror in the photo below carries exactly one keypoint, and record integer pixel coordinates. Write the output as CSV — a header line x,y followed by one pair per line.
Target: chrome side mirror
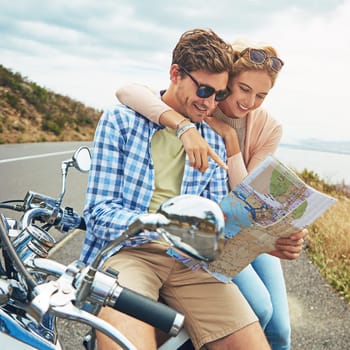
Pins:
x,y
196,225
82,159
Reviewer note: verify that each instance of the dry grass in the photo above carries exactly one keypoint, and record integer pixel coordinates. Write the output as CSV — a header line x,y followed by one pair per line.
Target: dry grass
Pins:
x,y
329,239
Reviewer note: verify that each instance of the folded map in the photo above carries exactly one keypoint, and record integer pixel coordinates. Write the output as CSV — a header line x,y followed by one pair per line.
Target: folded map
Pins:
x,y
271,202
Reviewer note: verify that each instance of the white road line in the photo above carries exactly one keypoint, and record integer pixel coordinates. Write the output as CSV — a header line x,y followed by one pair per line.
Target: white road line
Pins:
x,y
63,242
36,156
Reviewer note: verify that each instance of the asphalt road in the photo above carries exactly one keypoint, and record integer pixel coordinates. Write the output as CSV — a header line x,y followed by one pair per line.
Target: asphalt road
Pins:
x,y
37,167
320,318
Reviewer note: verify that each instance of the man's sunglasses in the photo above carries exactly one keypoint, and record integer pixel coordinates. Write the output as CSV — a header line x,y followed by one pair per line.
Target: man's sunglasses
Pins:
x,y
205,91
258,56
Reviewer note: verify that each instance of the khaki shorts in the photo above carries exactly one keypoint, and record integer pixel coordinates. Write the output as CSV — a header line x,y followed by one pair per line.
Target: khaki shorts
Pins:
x,y
212,309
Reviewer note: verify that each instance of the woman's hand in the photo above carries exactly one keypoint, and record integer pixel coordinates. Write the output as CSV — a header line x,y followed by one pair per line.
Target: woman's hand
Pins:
x,y
291,247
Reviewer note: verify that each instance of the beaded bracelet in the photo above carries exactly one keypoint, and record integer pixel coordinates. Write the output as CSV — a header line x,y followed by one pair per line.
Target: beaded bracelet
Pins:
x,y
184,128
180,122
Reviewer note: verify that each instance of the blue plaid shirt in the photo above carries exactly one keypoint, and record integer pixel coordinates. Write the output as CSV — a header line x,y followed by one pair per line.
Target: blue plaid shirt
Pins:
x,y
121,178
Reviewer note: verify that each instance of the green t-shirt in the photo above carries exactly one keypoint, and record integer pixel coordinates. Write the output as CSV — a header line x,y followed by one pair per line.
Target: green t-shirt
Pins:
x,y
168,157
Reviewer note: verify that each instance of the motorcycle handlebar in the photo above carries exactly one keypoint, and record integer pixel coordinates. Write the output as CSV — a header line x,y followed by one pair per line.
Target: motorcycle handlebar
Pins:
x,y
66,220
147,310
106,291
69,220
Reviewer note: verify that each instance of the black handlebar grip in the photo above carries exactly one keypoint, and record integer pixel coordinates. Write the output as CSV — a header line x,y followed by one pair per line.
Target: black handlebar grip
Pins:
x,y
147,310
82,225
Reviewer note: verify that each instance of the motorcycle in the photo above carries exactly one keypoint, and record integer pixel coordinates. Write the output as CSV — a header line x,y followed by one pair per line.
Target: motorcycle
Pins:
x,y
35,290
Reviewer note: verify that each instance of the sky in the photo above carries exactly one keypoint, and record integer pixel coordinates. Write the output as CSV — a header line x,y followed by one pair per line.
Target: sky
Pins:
x,y
86,49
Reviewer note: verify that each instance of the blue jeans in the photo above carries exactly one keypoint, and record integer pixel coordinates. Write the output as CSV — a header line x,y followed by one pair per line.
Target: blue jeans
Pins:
x,y
262,284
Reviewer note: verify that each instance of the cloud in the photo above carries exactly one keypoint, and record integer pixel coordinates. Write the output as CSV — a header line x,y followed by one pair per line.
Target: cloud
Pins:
x,y
87,48
311,94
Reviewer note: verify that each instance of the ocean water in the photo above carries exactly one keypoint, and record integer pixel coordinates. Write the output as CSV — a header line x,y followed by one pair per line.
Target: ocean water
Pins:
x,y
332,167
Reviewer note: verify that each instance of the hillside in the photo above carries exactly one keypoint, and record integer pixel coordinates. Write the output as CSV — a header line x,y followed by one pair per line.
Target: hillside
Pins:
x,y
31,113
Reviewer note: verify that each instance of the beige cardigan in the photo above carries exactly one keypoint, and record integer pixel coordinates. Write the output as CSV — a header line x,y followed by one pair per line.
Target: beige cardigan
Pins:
x,y
263,132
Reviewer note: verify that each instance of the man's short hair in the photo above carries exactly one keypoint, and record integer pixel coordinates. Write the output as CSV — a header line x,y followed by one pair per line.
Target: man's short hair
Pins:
x,y
203,49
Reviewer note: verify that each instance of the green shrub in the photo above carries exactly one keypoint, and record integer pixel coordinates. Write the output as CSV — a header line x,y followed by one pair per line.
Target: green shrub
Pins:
x,y
51,126
12,100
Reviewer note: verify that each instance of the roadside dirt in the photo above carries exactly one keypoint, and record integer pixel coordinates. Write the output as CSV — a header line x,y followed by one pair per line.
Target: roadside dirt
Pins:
x,y
320,318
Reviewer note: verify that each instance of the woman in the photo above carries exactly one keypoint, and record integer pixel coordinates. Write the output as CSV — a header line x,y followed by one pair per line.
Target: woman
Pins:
x,y
253,135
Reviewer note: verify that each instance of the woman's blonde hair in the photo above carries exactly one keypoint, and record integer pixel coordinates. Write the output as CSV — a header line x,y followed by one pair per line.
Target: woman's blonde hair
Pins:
x,y
243,64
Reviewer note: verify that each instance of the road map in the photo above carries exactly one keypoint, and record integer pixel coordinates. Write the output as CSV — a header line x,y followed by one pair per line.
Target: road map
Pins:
x,y
271,202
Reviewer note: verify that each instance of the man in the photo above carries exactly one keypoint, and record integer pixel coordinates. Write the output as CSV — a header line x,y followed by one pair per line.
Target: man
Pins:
x,y
137,165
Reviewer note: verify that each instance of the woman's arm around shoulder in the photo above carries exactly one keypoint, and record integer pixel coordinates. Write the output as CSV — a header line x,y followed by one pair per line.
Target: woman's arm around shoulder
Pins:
x,y
143,100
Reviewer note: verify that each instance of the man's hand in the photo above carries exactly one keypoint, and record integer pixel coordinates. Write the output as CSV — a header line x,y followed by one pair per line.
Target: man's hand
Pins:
x,y
198,151
291,247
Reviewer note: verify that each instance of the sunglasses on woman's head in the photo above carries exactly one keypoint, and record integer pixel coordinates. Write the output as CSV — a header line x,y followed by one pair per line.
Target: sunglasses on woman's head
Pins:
x,y
205,91
258,56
